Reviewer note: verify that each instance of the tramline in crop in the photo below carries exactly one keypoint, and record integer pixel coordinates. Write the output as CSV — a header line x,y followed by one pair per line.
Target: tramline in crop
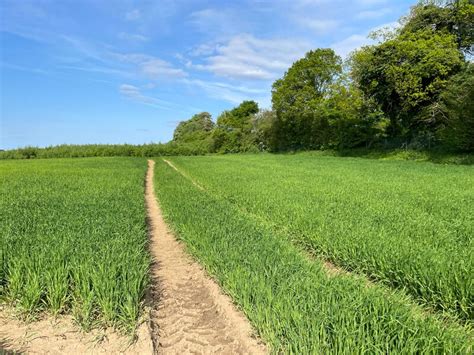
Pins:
x,y
409,225
294,304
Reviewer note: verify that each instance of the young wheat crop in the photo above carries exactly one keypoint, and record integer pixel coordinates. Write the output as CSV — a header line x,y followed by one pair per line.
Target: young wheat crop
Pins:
x,y
73,238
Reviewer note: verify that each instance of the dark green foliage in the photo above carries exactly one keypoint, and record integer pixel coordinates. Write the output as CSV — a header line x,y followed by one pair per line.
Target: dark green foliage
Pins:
x,y
456,111
405,75
318,108
234,132
456,18
195,129
296,99
239,117
409,70
263,125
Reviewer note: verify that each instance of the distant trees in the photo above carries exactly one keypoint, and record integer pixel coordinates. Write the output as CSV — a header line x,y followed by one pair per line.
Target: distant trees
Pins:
x,y
406,74
392,92
194,129
234,132
195,132
414,88
297,101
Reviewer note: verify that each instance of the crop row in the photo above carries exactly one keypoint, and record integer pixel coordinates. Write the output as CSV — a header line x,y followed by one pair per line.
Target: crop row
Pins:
x,y
73,239
408,225
294,304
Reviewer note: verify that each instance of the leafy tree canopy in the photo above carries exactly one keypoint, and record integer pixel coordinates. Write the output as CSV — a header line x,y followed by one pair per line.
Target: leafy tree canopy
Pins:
x,y
238,117
306,82
407,73
455,17
196,128
297,99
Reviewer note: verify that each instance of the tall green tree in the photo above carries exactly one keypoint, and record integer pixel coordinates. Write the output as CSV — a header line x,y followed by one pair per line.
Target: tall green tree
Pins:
x,y
297,97
195,133
233,132
197,127
353,119
407,73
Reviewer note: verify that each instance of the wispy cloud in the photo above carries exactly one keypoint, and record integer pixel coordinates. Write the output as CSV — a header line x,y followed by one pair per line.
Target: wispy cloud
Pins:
x,y
247,57
132,37
23,68
353,42
349,44
218,22
98,69
319,26
152,67
231,93
134,93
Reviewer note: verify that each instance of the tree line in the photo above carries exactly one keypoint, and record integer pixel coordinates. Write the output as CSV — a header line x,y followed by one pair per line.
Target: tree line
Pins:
x,y
414,88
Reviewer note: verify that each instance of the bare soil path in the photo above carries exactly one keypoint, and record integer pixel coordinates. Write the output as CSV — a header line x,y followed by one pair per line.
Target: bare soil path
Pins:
x,y
193,315
60,335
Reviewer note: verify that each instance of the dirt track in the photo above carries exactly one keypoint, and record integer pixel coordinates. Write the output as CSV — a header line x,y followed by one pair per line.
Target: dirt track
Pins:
x,y
193,315
189,313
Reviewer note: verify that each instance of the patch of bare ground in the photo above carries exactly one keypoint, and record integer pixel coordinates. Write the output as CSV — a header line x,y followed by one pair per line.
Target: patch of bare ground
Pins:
x,y
192,316
59,335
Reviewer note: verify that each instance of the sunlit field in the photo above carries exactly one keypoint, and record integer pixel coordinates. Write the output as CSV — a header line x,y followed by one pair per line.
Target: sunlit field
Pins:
x,y
399,232
73,239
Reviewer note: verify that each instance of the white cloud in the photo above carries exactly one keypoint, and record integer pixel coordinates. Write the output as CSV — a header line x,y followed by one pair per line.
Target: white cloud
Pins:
x,y
320,26
234,94
133,15
157,68
152,67
132,37
134,93
23,68
217,22
247,57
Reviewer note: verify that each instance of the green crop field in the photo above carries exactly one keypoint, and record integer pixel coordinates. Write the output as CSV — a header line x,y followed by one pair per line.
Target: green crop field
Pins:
x,y
73,238
398,237
407,226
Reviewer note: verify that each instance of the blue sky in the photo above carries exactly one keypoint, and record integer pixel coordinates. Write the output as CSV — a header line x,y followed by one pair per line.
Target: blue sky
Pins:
x,y
122,71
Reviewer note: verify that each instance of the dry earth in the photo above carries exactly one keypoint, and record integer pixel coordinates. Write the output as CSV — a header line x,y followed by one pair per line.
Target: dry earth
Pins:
x,y
193,316
61,336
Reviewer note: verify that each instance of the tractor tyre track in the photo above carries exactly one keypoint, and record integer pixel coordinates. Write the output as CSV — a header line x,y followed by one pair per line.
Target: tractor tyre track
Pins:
x,y
192,315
